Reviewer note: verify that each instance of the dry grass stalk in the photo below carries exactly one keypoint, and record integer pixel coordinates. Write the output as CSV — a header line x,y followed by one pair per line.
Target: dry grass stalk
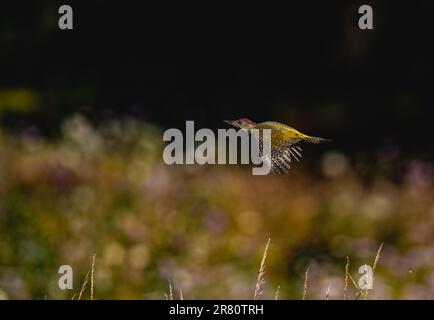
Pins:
x,y
92,277
90,273
83,286
327,294
260,281
170,295
377,257
276,295
181,296
347,266
306,278
359,291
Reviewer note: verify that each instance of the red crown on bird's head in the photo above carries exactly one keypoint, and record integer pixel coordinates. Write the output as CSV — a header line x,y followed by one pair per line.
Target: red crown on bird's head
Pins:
x,y
248,121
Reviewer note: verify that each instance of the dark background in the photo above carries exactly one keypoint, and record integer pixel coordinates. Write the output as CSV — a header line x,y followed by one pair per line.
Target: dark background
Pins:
x,y
81,170
306,64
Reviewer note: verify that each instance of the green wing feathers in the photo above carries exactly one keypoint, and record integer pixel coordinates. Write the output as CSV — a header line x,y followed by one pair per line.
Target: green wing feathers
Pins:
x,y
284,145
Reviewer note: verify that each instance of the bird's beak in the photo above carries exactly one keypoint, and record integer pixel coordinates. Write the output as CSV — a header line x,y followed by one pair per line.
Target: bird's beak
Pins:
x,y
229,122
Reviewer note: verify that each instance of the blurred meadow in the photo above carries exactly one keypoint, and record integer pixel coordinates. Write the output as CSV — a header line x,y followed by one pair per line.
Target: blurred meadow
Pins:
x,y
106,190
82,114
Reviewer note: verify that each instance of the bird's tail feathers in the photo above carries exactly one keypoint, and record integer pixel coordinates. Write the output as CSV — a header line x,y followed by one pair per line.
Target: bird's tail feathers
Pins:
x,y
316,140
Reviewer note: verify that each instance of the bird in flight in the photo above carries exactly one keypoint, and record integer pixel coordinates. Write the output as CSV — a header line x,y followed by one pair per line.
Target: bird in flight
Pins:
x,y
285,142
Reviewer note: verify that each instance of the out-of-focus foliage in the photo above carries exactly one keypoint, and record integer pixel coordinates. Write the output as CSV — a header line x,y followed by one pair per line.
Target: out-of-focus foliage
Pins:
x,y
106,190
18,100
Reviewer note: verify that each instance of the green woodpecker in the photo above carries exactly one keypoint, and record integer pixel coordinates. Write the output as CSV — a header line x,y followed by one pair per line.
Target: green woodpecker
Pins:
x,y
284,142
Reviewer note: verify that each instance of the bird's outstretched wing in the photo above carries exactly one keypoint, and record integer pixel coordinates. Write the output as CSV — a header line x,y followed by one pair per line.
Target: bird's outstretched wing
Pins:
x,y
284,145
280,159
282,153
